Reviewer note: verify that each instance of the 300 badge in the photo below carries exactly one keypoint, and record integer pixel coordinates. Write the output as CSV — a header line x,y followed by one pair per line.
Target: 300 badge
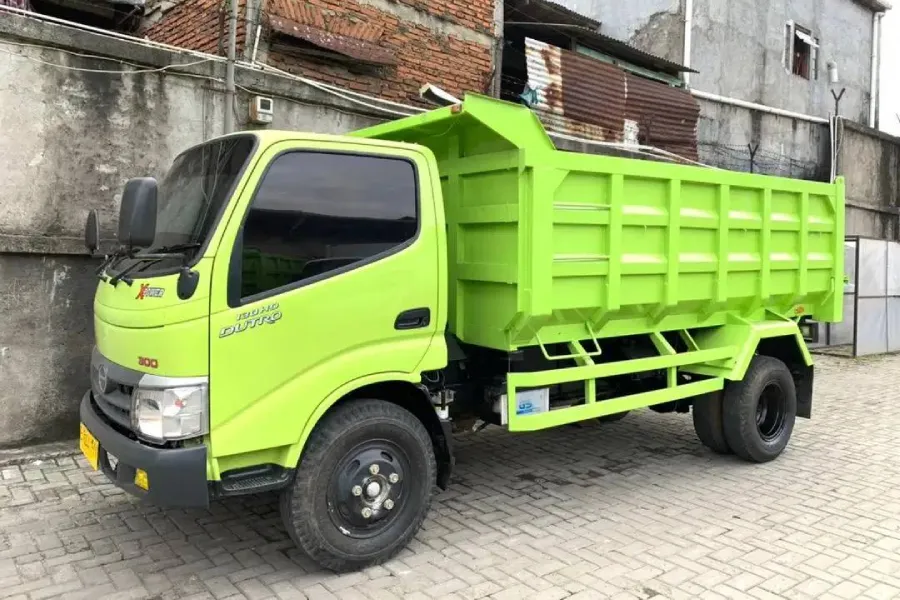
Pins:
x,y
150,363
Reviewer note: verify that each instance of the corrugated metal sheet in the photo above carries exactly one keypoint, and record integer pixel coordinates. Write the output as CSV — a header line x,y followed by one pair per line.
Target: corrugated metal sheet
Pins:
x,y
585,97
576,94
666,116
547,11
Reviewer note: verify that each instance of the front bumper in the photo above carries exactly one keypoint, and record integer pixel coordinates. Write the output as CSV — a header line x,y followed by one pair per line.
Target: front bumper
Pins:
x,y
176,476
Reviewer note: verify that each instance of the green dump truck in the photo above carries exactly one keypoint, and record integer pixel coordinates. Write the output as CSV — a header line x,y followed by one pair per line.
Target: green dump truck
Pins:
x,y
310,314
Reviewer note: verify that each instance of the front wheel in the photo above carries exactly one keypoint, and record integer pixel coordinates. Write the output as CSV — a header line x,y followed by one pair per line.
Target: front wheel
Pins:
x,y
363,486
759,411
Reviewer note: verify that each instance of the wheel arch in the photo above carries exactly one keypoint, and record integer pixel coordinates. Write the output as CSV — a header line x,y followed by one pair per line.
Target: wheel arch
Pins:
x,y
792,351
397,389
781,339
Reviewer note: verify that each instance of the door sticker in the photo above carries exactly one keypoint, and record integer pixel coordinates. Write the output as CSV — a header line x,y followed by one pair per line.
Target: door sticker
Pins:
x,y
266,315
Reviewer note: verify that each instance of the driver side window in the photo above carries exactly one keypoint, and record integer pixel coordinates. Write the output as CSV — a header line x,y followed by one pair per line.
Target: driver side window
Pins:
x,y
318,214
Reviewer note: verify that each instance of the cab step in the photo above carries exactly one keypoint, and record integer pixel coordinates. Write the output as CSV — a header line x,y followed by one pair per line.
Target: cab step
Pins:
x,y
254,480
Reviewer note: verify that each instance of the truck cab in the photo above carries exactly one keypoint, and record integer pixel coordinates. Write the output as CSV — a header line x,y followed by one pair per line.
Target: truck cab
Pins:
x,y
283,273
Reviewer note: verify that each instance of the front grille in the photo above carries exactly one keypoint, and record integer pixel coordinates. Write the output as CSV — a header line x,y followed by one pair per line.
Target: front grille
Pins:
x,y
114,398
116,406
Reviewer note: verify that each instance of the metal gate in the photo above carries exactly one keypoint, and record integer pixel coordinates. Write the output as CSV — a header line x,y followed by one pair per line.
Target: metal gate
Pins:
x,y
871,322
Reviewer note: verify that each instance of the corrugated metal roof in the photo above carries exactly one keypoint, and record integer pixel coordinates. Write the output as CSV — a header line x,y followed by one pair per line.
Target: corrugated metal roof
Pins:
x,y
358,49
546,11
581,96
609,45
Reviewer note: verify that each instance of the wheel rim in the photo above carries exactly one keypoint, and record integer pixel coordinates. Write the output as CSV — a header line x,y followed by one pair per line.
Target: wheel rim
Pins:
x,y
367,489
770,412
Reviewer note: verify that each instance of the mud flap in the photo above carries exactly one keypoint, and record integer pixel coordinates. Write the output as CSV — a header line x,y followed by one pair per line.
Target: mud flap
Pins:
x,y
803,381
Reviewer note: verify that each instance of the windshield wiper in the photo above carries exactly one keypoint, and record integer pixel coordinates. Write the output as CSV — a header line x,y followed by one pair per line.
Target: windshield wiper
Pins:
x,y
153,256
175,248
111,260
140,261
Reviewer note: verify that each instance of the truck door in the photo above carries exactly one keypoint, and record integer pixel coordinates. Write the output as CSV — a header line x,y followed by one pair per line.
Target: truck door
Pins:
x,y
328,273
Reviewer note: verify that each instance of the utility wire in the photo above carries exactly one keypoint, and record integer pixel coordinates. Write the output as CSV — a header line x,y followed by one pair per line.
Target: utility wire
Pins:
x,y
104,71
357,98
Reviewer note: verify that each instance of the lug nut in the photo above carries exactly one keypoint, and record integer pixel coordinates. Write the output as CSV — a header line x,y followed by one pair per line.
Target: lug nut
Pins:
x,y
357,490
394,478
373,469
367,513
388,504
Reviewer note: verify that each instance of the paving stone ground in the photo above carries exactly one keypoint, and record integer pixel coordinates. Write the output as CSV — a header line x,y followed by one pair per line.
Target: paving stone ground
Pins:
x,y
634,509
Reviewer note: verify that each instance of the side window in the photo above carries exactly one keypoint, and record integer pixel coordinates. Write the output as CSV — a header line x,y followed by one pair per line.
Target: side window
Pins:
x,y
316,212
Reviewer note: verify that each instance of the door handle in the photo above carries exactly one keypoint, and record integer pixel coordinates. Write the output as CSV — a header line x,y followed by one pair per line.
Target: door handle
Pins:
x,y
415,318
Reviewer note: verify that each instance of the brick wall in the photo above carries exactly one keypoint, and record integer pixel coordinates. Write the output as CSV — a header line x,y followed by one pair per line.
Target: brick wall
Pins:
x,y
425,47
474,14
197,25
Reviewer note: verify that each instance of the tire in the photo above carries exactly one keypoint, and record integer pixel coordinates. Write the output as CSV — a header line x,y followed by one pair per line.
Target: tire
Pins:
x,y
707,414
613,418
759,411
324,509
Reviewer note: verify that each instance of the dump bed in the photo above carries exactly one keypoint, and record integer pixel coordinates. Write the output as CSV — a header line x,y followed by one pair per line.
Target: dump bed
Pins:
x,y
551,246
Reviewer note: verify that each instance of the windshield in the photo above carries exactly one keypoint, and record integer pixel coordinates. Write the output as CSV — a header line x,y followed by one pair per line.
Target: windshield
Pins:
x,y
192,195
195,189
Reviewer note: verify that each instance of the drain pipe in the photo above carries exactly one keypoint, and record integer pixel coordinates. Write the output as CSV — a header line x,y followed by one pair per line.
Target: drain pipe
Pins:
x,y
759,107
688,34
876,69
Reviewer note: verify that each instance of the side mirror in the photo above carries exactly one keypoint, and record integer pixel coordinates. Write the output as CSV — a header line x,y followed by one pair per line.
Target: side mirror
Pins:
x,y
137,216
92,232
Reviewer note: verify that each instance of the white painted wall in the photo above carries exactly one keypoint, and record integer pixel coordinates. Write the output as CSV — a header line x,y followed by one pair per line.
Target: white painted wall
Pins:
x,y
890,73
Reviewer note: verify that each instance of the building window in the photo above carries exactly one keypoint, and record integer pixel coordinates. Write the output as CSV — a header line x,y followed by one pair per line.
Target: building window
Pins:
x,y
318,214
801,51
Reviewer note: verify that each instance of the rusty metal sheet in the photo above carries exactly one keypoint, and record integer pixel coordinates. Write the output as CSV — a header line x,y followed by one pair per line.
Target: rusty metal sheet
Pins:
x,y
666,116
585,97
358,49
575,94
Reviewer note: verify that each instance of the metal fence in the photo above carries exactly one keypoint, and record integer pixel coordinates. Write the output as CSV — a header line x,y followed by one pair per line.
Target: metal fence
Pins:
x,y
871,321
751,158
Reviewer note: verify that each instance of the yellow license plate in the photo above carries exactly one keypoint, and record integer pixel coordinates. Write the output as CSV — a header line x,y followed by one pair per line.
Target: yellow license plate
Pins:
x,y
140,479
90,447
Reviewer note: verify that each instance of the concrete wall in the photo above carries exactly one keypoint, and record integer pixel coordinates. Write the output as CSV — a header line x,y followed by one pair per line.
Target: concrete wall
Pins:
x,y
870,162
738,46
68,141
656,26
739,49
784,147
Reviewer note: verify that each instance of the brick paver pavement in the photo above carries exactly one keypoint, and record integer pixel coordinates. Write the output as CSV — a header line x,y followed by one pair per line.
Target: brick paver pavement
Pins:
x,y
634,509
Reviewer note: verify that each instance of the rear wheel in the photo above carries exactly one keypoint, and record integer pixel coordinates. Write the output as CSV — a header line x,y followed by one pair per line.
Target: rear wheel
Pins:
x,y
707,414
759,411
363,486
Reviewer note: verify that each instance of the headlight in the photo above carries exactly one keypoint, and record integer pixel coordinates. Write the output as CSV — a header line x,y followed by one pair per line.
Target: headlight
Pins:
x,y
171,413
